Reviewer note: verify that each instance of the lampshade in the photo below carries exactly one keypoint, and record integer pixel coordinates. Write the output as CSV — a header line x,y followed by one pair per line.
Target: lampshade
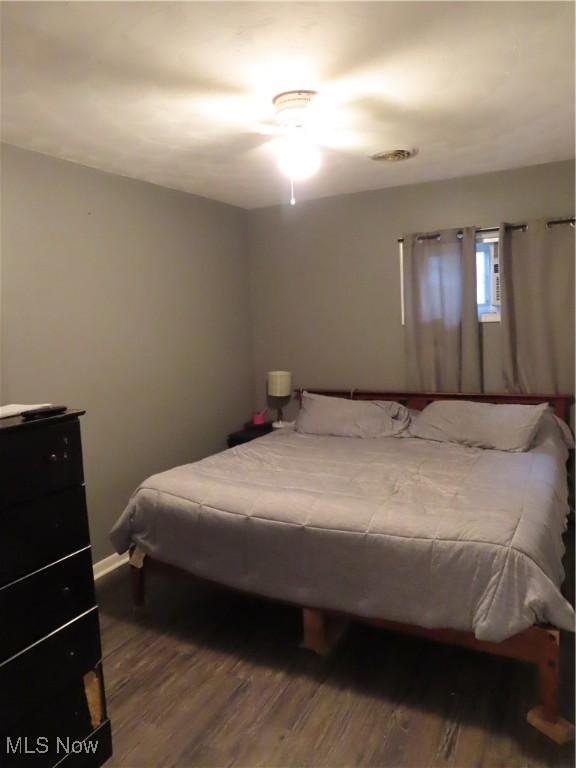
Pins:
x,y
279,383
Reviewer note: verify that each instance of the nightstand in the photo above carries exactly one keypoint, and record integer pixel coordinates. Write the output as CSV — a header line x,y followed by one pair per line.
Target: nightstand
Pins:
x,y
250,432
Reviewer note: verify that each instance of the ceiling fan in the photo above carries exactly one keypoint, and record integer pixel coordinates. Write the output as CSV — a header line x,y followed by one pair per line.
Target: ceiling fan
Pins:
x,y
299,126
301,131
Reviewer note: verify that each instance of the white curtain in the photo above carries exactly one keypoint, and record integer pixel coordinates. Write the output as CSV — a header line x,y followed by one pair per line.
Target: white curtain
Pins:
x,y
442,329
537,278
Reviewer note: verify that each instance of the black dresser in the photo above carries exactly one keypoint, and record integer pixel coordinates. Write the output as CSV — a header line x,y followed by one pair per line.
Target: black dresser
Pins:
x,y
52,704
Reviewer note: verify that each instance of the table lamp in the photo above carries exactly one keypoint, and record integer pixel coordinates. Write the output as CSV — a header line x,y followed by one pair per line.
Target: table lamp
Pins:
x,y
279,385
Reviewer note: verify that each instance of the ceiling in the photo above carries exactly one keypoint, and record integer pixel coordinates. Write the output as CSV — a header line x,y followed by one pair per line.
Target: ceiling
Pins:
x,y
179,93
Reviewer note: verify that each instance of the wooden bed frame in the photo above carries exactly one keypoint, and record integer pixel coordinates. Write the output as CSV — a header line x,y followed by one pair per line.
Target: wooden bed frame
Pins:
x,y
538,645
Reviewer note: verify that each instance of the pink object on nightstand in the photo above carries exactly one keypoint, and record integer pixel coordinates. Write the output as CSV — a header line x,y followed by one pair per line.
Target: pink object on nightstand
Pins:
x,y
258,417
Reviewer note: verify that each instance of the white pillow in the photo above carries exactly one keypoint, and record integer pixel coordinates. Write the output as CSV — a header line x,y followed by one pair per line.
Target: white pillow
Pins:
x,y
481,425
322,415
557,429
565,431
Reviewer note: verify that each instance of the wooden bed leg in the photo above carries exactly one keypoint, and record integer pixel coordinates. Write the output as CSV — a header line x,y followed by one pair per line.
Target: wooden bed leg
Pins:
x,y
138,591
545,718
321,632
137,578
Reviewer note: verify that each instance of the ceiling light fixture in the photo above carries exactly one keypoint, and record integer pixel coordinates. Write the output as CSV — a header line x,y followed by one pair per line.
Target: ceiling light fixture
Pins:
x,y
298,157
395,155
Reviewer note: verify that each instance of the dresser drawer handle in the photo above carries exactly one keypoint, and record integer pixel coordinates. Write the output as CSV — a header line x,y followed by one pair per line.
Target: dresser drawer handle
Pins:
x,y
53,457
66,591
72,654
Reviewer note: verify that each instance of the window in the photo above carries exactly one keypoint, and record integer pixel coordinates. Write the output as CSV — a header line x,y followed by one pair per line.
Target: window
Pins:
x,y
488,277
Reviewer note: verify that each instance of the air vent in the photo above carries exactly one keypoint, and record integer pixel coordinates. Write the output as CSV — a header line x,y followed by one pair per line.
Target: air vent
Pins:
x,y
395,155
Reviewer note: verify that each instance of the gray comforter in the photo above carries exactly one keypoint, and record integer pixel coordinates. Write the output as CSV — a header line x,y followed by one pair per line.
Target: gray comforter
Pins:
x,y
434,534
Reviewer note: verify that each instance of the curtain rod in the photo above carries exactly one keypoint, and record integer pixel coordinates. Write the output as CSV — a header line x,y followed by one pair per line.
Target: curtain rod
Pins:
x,y
551,223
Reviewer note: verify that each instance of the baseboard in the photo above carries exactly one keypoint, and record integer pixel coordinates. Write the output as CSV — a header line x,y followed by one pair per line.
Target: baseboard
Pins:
x,y
108,564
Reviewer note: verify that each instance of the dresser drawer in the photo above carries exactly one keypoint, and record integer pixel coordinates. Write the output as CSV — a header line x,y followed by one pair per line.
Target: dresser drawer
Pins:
x,y
39,532
37,605
45,735
39,459
48,667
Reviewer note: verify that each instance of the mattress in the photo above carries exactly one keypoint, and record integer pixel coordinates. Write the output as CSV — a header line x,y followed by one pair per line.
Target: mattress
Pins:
x,y
404,529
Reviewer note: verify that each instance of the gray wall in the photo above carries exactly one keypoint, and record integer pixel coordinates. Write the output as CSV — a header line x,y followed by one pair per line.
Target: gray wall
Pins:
x,y
128,300
134,302
325,273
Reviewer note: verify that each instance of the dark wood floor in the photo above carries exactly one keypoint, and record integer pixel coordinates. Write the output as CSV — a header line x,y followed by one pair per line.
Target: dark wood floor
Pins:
x,y
204,677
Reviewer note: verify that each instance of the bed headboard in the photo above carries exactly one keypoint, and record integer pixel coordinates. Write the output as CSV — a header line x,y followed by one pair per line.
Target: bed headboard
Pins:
x,y
419,400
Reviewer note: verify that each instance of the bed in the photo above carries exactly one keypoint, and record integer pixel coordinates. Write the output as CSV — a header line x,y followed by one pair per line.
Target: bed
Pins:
x,y
459,544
